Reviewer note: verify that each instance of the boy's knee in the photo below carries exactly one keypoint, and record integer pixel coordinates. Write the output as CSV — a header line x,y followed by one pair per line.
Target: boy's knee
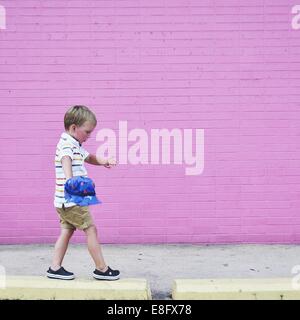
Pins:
x,y
68,232
91,229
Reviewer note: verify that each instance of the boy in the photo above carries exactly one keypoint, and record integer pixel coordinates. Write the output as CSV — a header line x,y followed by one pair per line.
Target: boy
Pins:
x,y
70,156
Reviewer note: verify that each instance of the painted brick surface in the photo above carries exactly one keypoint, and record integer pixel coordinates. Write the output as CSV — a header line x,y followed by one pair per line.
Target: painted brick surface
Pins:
x,y
229,67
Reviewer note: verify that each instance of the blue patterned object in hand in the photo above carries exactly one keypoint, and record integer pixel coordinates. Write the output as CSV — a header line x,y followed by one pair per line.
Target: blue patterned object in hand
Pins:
x,y
81,190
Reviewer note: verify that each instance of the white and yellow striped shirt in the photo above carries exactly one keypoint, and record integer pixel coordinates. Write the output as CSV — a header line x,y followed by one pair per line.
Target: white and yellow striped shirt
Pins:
x,y
68,146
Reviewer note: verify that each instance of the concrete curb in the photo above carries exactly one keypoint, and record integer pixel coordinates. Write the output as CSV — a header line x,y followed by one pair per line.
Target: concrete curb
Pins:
x,y
235,289
42,288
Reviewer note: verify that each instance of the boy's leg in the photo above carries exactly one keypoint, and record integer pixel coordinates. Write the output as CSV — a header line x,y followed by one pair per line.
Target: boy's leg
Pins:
x,y
94,248
60,248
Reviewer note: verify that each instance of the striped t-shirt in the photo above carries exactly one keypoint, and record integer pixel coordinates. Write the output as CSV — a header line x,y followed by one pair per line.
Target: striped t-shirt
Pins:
x,y
68,146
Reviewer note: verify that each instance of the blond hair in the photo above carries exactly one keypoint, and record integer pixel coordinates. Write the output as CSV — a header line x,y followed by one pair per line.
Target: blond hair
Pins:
x,y
78,115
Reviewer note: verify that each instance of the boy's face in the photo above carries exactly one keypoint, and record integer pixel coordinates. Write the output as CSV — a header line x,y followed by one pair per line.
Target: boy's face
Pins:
x,y
83,132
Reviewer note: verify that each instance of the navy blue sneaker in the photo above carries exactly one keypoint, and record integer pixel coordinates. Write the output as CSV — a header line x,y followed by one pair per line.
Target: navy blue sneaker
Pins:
x,y
109,274
61,273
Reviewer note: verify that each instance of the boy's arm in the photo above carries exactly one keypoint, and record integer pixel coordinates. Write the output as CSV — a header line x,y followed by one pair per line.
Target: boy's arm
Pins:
x,y
92,159
66,162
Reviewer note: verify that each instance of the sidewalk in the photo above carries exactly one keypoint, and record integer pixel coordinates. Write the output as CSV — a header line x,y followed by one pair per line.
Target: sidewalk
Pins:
x,y
161,264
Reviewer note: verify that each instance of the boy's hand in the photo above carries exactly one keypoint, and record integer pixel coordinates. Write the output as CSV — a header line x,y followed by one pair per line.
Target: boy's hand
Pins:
x,y
110,162
95,160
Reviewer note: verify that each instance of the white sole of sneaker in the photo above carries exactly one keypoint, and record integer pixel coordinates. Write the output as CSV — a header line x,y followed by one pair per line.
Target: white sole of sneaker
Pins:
x,y
57,276
105,277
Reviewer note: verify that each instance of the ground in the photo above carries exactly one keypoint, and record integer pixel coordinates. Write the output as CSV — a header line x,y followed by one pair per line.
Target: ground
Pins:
x,y
160,264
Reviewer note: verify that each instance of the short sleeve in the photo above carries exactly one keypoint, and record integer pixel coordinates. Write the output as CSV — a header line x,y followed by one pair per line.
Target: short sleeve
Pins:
x,y
65,150
85,154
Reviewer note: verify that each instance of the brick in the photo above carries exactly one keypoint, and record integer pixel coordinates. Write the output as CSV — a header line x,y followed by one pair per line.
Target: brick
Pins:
x,y
183,64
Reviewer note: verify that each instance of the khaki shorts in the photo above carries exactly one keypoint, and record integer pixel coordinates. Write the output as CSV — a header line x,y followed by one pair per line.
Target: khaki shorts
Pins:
x,y
75,217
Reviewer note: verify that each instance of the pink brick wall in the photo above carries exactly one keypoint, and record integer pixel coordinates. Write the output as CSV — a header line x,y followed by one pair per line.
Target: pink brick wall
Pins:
x,y
229,67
